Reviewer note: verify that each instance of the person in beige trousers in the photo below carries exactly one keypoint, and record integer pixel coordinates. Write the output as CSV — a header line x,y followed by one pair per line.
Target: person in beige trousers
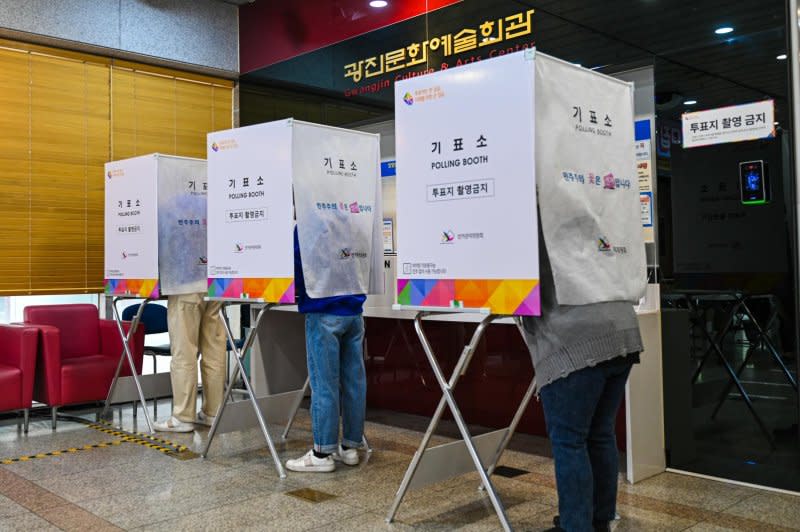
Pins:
x,y
194,328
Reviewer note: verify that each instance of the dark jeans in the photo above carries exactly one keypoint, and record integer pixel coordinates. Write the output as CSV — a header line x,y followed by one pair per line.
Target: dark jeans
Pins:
x,y
580,410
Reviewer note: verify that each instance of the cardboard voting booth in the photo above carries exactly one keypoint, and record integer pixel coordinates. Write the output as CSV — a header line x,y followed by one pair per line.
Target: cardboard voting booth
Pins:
x,y
480,149
155,245
466,188
155,226
260,178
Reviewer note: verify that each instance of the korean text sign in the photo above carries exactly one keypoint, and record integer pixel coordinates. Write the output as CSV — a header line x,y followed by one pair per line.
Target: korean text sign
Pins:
x,y
250,219
131,227
466,191
737,123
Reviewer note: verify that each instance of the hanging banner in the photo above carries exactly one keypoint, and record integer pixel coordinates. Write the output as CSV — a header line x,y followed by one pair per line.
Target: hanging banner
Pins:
x,y
250,221
737,123
182,225
131,227
466,191
336,175
589,192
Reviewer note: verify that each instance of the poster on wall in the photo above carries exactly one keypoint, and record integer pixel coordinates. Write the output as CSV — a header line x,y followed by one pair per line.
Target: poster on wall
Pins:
x,y
466,192
644,171
388,235
131,227
588,184
337,194
250,219
736,123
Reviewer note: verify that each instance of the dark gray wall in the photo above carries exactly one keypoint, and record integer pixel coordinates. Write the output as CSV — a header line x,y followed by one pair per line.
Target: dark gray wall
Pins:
x,y
203,33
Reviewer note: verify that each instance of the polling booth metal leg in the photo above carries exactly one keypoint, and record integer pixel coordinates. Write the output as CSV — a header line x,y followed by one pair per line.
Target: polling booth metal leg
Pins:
x,y
435,464
761,338
127,354
761,334
250,396
517,415
295,408
733,376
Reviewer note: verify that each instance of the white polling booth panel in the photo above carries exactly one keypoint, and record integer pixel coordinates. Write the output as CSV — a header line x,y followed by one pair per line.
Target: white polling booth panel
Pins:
x,y
155,226
260,177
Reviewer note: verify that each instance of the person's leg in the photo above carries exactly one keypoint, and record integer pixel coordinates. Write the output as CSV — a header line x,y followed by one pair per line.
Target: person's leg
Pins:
x,y
183,320
569,404
323,332
353,383
212,357
602,443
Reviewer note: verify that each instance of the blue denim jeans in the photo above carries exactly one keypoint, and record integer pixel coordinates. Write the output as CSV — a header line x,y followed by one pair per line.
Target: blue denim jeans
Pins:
x,y
581,410
338,380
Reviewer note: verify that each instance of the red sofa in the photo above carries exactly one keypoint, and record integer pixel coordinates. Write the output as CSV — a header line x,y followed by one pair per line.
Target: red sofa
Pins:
x,y
78,354
17,368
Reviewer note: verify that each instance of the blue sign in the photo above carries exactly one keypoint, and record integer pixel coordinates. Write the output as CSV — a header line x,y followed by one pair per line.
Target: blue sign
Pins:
x,y
388,168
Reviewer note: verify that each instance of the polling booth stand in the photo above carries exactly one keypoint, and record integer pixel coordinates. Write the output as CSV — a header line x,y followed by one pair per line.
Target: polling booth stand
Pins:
x,y
473,165
260,178
155,245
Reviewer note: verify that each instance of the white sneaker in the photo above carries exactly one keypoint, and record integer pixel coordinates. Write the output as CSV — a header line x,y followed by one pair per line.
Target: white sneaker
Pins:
x,y
203,419
308,463
348,457
173,424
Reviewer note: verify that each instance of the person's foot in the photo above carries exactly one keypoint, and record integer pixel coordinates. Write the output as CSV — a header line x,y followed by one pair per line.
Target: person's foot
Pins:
x,y
173,424
346,456
309,463
203,419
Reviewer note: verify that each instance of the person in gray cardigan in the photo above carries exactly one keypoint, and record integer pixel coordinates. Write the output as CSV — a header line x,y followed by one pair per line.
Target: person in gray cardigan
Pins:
x,y
582,356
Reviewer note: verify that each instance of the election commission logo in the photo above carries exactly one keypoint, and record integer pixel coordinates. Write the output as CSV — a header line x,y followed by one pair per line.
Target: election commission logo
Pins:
x,y
448,237
604,246
408,98
347,253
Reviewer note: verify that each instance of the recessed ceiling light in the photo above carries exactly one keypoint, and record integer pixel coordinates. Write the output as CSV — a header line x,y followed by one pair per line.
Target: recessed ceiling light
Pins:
x,y
379,3
781,57
690,102
723,30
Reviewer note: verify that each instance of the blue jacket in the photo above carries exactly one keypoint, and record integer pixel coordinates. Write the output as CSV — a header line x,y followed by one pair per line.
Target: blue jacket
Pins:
x,y
337,305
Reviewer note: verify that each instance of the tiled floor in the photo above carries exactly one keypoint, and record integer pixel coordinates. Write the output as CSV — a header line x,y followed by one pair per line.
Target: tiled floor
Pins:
x,y
133,487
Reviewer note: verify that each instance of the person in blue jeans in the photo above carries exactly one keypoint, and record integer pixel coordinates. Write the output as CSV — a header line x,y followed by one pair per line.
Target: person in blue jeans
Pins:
x,y
334,339
582,356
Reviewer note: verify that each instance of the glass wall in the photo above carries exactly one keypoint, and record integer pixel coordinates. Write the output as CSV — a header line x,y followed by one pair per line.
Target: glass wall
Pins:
x,y
726,264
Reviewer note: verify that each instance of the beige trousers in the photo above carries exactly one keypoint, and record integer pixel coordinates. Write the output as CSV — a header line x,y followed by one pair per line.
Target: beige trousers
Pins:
x,y
195,328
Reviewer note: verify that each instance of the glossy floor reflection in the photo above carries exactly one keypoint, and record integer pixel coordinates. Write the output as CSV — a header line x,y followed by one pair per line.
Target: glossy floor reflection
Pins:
x,y
133,487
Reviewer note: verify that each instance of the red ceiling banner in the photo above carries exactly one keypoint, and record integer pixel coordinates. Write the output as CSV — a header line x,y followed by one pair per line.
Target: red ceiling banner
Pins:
x,y
271,32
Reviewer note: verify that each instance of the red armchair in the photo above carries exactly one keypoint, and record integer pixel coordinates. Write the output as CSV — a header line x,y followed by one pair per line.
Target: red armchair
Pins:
x,y
78,354
17,367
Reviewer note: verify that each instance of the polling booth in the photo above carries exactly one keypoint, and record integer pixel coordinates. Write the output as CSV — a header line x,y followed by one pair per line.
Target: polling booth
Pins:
x,y
155,245
490,157
263,181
